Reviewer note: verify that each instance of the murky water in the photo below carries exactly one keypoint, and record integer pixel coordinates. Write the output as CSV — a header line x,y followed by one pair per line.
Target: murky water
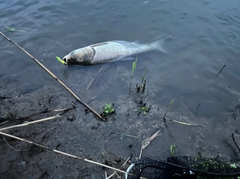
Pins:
x,y
204,35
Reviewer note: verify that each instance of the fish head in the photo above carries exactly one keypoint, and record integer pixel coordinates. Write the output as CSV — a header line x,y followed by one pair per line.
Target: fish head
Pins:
x,y
82,56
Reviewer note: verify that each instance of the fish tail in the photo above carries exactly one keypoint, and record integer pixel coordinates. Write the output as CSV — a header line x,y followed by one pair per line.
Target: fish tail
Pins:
x,y
158,45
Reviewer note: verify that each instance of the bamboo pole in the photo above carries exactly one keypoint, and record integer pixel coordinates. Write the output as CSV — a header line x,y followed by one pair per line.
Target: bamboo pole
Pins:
x,y
55,77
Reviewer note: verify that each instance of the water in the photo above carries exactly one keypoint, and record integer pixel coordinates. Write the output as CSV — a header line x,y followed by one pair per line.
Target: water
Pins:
x,y
201,36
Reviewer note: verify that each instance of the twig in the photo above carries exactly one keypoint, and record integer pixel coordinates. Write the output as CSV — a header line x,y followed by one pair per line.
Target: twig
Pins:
x,y
119,168
32,122
12,146
35,114
198,107
60,152
3,122
55,77
184,123
106,175
146,142
95,79
233,138
221,69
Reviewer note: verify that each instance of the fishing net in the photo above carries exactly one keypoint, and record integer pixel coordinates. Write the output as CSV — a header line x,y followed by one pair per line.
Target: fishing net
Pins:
x,y
182,167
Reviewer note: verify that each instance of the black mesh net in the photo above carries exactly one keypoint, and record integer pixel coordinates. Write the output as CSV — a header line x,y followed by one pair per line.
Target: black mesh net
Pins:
x,y
182,167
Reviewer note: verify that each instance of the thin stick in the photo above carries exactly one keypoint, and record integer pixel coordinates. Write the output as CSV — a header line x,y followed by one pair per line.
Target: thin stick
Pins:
x,y
184,123
120,168
32,122
60,152
233,138
10,145
146,142
3,122
221,69
55,77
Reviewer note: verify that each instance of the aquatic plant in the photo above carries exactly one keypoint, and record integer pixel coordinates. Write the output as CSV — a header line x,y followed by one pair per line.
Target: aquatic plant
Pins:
x,y
169,106
134,66
142,86
108,109
173,148
11,29
143,108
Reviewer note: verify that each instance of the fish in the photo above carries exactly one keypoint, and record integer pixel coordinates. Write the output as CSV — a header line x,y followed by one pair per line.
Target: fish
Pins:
x,y
110,51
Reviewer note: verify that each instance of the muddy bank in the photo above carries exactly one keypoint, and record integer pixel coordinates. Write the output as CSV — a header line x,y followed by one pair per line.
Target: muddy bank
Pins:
x,y
112,142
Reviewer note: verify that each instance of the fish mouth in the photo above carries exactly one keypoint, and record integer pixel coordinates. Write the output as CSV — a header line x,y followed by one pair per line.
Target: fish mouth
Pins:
x,y
70,61
65,60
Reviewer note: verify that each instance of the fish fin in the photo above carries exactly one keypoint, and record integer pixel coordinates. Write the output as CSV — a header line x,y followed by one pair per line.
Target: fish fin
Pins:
x,y
99,44
94,53
158,45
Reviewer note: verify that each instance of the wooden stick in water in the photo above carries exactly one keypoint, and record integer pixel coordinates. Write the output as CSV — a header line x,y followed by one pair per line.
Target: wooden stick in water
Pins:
x,y
221,69
29,123
55,77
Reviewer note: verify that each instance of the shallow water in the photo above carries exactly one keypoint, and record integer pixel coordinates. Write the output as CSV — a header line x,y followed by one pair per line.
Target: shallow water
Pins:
x,y
201,36
204,35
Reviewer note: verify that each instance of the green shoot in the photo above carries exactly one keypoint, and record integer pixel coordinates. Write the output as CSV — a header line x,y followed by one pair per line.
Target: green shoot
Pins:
x,y
134,66
108,109
173,148
169,106
60,60
143,110
233,165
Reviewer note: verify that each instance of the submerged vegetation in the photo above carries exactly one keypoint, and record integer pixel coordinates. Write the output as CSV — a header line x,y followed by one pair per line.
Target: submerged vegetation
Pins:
x,y
142,86
169,106
143,108
11,29
173,148
108,109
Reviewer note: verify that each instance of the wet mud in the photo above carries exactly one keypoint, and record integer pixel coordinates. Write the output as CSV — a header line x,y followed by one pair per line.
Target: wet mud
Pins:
x,y
79,132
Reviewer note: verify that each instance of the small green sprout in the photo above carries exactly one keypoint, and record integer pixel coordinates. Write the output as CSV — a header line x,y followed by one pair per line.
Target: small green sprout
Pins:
x,y
143,110
233,165
173,148
134,66
60,60
108,109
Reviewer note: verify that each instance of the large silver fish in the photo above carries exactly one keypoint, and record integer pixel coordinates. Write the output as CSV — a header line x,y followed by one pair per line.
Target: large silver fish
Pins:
x,y
110,51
